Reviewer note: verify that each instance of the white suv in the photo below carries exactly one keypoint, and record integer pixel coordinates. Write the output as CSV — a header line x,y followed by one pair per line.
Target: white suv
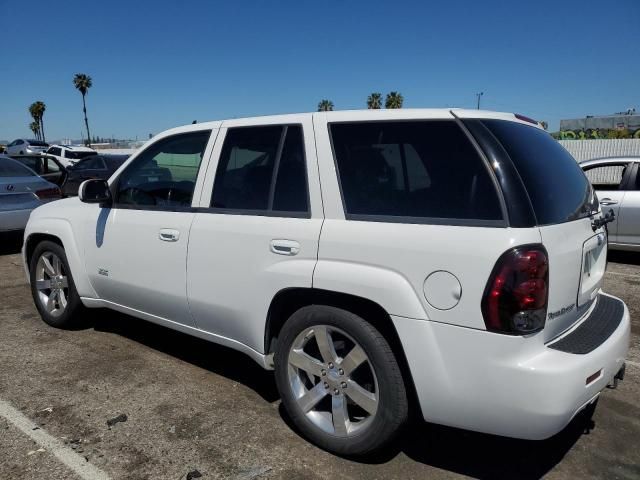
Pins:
x,y
70,154
447,259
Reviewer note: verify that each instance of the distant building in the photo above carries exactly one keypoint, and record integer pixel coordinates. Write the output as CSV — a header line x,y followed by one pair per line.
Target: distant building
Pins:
x,y
620,125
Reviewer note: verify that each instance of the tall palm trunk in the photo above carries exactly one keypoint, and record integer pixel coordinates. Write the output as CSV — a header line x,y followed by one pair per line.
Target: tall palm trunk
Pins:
x,y
86,122
41,130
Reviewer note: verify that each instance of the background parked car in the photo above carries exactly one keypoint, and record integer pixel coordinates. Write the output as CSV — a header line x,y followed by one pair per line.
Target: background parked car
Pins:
x,y
70,154
617,183
46,166
23,146
96,166
21,190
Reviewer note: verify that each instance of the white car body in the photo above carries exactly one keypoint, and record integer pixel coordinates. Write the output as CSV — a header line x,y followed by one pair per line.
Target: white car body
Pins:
x,y
69,155
223,287
23,146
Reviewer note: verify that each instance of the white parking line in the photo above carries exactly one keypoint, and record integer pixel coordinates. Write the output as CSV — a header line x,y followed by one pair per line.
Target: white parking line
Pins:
x,y
71,459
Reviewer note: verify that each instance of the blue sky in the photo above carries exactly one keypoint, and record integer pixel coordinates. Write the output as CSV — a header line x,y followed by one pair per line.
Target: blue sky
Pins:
x,y
156,65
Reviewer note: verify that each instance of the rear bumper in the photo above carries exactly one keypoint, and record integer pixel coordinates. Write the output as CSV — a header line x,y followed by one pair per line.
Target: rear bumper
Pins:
x,y
14,219
512,386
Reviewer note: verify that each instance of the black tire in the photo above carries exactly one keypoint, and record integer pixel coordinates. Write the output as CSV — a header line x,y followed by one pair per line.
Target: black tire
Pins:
x,y
392,408
72,316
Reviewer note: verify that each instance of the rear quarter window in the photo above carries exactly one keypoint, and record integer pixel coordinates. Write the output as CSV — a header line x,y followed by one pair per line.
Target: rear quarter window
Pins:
x,y
558,188
413,171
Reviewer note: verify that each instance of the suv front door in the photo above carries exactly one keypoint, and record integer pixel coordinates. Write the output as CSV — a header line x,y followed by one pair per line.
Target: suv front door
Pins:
x,y
136,250
258,227
629,222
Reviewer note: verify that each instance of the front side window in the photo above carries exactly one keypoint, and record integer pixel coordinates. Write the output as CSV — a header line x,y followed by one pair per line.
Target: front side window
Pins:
x,y
606,177
262,169
52,166
163,175
412,169
55,151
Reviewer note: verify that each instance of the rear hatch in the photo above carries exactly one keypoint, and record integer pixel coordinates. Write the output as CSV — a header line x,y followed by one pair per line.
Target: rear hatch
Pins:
x,y
564,204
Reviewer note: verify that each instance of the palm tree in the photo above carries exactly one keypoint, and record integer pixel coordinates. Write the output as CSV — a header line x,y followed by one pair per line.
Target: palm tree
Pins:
x,y
41,108
83,83
325,105
37,109
35,128
374,101
394,100
33,110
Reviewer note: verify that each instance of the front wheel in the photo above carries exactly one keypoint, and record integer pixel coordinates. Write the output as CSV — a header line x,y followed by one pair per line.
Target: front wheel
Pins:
x,y
52,287
339,380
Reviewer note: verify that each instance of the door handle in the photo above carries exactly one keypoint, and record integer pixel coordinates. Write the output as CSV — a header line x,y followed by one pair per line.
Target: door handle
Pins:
x,y
169,235
285,247
608,201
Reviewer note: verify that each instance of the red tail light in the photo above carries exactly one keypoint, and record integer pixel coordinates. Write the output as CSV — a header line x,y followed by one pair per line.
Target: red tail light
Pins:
x,y
515,299
48,193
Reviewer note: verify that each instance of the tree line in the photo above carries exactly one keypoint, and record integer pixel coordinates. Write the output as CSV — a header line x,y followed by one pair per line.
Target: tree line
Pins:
x,y
374,102
82,82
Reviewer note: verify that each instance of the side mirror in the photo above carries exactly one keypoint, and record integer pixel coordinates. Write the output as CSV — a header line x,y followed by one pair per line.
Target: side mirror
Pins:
x,y
95,191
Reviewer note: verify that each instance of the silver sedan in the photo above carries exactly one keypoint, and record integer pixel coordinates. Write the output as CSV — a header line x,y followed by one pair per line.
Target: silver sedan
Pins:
x,y
21,190
617,183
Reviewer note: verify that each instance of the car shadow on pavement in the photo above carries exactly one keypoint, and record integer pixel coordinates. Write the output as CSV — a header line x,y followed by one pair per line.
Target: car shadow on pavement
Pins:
x,y
460,451
10,242
209,356
621,256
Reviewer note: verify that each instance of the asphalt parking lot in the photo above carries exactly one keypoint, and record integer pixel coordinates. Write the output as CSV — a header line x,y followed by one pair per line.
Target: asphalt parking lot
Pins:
x,y
192,407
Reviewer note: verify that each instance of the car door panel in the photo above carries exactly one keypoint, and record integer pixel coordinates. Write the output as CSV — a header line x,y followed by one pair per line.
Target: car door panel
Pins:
x,y
128,259
629,212
239,260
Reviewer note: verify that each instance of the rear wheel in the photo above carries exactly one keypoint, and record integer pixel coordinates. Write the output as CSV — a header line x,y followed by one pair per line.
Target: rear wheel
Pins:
x,y
52,287
339,380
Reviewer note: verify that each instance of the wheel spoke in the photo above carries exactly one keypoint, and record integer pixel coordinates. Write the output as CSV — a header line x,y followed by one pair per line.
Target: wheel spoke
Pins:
x,y
62,298
48,268
339,414
362,397
43,284
325,344
353,360
305,362
64,281
57,267
312,397
51,301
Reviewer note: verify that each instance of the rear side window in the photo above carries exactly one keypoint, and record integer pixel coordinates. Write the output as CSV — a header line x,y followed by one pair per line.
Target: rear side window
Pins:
x,y
558,188
262,169
393,171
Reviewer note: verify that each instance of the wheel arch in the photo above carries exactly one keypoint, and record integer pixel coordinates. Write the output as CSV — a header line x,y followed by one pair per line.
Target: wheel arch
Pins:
x,y
61,233
289,300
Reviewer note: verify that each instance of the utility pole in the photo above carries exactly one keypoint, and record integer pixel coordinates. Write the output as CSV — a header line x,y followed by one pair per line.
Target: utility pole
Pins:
x,y
478,95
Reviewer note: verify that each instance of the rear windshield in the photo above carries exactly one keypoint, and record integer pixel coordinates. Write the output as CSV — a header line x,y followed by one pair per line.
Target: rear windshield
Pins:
x,y
9,168
425,170
38,143
558,189
78,155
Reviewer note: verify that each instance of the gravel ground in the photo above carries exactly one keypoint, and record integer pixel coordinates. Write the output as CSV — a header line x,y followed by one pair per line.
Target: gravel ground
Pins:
x,y
193,406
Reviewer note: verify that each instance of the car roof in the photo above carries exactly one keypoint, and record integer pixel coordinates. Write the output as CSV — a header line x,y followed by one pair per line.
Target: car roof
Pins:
x,y
608,160
360,115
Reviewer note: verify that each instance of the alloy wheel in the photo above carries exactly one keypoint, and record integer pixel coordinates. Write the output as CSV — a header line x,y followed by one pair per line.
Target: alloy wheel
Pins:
x,y
52,284
333,380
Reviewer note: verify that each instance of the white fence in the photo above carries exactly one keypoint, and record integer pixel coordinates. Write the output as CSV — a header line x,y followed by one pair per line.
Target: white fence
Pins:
x,y
588,149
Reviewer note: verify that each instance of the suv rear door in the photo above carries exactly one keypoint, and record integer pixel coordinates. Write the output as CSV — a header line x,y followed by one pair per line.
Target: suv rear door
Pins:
x,y
256,231
629,220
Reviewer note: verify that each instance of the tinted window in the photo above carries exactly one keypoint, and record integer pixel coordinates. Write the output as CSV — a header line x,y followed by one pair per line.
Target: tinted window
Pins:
x,y
38,143
10,168
95,163
78,155
52,166
33,163
421,169
606,177
55,151
164,174
558,189
245,175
